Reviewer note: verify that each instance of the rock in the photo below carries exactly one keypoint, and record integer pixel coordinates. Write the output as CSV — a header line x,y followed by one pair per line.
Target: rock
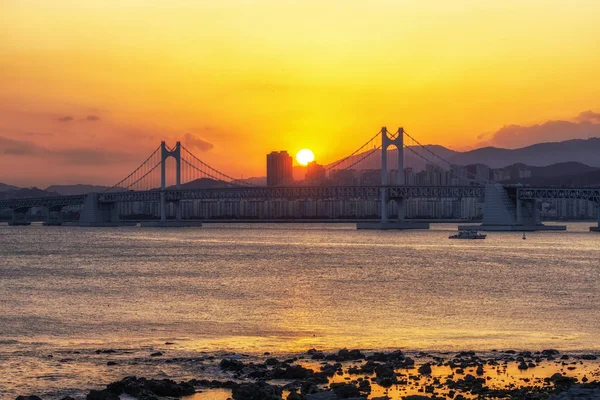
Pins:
x,y
157,354
294,396
142,387
425,369
256,391
231,365
322,396
28,398
522,365
416,397
107,351
271,361
111,363
589,357
344,390
101,395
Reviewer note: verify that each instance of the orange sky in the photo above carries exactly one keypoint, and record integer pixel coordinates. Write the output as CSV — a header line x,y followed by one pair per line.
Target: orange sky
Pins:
x,y
89,88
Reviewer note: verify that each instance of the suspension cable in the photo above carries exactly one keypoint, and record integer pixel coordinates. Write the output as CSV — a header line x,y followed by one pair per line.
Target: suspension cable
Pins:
x,y
136,170
143,176
354,153
240,182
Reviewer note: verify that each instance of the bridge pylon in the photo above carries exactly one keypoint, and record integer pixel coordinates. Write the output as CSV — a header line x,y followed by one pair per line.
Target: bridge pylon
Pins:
x,y
387,141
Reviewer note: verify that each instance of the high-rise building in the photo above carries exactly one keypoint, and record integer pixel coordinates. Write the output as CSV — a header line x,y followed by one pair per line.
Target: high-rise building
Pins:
x,y
315,173
279,168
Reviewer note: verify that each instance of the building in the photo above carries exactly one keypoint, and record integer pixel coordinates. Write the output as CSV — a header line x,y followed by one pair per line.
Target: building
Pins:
x,y
279,168
315,173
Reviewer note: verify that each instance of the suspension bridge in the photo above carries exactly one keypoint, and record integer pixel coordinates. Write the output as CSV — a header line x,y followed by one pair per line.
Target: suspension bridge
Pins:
x,y
383,184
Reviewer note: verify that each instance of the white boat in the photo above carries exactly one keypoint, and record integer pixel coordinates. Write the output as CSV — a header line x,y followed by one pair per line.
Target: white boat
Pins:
x,y
467,234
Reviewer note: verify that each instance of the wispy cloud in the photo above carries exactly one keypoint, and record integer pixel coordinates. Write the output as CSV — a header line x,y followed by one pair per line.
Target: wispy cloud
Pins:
x,y
66,118
73,156
195,143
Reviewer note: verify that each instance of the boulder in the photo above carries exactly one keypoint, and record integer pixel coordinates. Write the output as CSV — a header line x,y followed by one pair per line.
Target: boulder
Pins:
x,y
256,391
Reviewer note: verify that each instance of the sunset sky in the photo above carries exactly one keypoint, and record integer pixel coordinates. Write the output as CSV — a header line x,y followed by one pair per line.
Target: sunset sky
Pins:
x,y
89,88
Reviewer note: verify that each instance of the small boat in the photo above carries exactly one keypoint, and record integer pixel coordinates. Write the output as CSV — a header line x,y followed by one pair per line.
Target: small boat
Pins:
x,y
524,237
467,234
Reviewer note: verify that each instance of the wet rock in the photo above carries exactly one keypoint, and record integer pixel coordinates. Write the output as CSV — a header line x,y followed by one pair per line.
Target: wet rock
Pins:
x,y
346,355
322,396
105,351
156,354
271,361
111,363
425,369
142,387
344,390
227,364
589,357
294,396
28,398
550,352
101,395
297,372
522,365
256,391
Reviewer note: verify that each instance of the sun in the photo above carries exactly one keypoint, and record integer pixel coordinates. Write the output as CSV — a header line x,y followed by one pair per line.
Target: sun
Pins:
x,y
305,156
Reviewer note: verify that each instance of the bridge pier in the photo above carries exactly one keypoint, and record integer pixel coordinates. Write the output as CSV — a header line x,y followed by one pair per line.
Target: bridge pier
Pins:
x,y
19,217
596,228
95,213
504,211
54,217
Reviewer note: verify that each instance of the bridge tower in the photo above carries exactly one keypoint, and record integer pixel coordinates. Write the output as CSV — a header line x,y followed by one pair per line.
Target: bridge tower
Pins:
x,y
386,142
165,153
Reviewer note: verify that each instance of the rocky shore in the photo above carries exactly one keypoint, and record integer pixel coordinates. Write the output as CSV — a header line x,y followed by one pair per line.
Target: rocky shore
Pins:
x,y
356,374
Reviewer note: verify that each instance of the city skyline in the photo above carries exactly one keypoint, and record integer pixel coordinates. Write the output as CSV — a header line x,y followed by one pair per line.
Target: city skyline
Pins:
x,y
87,82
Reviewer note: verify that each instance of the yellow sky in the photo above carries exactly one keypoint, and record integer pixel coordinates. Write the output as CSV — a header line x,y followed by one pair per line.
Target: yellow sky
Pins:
x,y
249,77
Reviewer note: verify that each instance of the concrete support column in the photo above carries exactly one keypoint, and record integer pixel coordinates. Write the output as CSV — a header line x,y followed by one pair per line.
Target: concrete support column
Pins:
x,y
401,210
384,204
519,212
163,207
178,210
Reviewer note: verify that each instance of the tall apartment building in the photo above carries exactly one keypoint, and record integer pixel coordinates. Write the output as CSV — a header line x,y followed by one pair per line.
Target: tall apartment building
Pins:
x,y
279,168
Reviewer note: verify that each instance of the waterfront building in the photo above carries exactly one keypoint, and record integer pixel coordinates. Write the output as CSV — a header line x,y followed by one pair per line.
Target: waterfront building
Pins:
x,y
279,168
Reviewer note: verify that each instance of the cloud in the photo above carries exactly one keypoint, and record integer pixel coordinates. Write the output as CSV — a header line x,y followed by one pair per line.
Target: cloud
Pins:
x,y
195,143
92,118
74,156
66,118
588,116
19,147
585,125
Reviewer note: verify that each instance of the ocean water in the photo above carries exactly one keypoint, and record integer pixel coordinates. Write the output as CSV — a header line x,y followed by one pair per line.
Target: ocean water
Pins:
x,y
66,292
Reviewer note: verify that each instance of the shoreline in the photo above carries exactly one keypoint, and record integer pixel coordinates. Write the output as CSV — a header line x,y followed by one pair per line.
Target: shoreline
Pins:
x,y
358,374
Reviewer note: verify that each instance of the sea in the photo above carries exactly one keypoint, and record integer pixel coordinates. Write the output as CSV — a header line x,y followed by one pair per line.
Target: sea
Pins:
x,y
152,300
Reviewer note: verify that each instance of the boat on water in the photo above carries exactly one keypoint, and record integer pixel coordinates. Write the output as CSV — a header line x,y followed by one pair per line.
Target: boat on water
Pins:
x,y
467,234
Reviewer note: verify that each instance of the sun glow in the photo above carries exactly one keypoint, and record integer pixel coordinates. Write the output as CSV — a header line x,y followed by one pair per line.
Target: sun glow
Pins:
x,y
305,156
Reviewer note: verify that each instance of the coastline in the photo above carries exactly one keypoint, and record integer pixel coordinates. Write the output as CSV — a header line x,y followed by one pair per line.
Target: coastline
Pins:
x,y
316,375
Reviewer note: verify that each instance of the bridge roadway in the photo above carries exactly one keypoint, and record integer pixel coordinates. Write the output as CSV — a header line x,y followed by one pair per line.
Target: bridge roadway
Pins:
x,y
257,193
304,192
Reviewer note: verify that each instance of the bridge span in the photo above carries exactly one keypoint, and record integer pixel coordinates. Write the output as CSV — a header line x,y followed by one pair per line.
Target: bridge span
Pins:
x,y
505,207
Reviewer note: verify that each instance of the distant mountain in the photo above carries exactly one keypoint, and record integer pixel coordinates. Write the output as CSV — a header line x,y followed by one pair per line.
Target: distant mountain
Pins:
x,y
541,154
6,188
23,193
204,183
67,190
